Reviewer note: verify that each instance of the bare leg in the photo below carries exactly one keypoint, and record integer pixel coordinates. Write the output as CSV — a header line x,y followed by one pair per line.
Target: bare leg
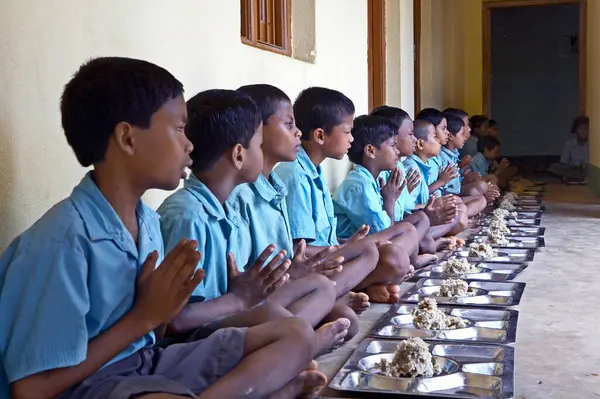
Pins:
x,y
256,316
393,266
276,352
357,301
310,298
475,204
422,224
361,258
462,218
306,385
476,188
341,310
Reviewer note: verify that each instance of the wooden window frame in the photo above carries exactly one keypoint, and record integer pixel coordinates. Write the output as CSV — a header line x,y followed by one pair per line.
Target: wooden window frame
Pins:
x,y
376,58
250,22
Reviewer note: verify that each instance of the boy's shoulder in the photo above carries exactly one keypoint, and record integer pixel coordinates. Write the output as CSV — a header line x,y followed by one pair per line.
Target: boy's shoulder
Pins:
x,y
292,173
354,183
189,202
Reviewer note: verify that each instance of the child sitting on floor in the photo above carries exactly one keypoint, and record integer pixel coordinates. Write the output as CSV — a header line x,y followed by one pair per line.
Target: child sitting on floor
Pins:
x,y
225,128
479,126
86,291
575,155
325,118
365,199
262,206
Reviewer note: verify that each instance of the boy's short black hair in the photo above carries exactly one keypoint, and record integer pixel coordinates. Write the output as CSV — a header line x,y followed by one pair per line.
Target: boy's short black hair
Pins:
x,y
487,143
581,120
320,108
477,120
461,113
455,123
106,91
422,129
435,116
395,115
266,97
218,120
492,123
369,129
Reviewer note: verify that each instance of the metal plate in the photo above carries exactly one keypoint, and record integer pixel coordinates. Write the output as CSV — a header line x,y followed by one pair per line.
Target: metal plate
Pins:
x,y
520,215
487,272
487,293
514,231
514,242
505,255
530,208
483,325
485,221
469,371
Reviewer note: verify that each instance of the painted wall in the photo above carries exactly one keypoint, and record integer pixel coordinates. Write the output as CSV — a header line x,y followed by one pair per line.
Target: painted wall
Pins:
x,y
43,42
593,91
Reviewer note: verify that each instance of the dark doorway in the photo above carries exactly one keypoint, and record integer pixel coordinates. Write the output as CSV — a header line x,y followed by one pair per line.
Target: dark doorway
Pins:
x,y
534,78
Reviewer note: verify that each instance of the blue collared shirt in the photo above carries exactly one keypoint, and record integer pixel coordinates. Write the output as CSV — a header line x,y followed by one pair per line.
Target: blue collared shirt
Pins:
x,y
480,164
309,201
574,153
263,208
448,157
404,203
357,201
67,279
421,194
470,147
194,213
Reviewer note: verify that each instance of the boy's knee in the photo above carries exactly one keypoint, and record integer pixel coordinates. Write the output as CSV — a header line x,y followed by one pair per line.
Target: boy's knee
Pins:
x,y
370,256
482,186
273,312
323,285
422,221
393,258
300,332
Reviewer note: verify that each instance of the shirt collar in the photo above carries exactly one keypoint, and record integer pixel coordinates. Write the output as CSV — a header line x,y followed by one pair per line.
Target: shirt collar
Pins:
x,y
272,190
424,166
365,174
211,204
313,171
100,219
451,153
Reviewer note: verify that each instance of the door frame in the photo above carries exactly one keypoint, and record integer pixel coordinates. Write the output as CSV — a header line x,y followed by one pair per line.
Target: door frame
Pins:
x,y
417,52
488,6
376,56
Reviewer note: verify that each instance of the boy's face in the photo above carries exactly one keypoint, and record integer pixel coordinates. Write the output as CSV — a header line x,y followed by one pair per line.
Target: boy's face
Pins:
x,y
467,127
493,131
387,155
281,137
492,154
161,153
337,143
430,147
483,129
442,133
583,132
406,141
458,139
253,157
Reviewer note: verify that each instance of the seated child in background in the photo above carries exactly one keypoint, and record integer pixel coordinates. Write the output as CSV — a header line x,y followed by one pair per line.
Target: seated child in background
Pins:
x,y
575,155
428,218
471,196
225,128
479,126
427,147
489,150
363,198
325,118
83,290
493,129
263,208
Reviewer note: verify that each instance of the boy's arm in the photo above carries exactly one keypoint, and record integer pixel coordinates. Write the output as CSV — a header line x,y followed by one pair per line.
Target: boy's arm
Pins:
x,y
300,212
449,173
566,154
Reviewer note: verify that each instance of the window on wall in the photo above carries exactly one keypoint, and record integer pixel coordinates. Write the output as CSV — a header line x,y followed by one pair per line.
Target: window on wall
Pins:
x,y
266,24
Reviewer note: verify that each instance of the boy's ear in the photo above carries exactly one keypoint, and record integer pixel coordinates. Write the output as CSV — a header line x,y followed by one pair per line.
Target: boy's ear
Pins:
x,y
237,156
420,144
369,151
318,136
124,136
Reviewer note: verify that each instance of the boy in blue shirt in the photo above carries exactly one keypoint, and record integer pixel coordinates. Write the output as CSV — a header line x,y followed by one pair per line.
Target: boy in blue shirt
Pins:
x,y
225,128
575,154
489,151
86,288
264,200
325,118
363,198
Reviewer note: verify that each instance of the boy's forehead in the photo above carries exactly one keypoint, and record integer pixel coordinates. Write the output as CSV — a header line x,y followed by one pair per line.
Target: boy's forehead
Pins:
x,y
174,108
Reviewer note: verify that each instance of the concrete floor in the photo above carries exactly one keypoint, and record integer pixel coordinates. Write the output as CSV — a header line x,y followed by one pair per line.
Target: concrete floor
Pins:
x,y
558,336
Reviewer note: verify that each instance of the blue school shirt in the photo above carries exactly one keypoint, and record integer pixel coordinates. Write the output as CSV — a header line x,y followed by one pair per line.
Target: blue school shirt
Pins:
x,y
470,147
67,279
357,201
194,213
480,164
263,208
575,154
309,201
404,200
421,194
446,158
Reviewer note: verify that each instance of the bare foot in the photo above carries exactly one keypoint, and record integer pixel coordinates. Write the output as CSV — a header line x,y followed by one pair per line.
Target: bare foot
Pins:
x,y
331,335
410,274
394,291
443,243
423,260
357,301
305,386
378,293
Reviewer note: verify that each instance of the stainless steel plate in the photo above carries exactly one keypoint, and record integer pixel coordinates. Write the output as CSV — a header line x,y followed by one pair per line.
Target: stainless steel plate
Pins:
x,y
520,215
530,208
514,231
484,293
469,371
486,272
485,221
514,242
505,255
483,325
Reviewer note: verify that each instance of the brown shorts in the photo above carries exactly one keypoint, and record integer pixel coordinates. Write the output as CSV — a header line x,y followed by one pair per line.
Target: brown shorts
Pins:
x,y
180,369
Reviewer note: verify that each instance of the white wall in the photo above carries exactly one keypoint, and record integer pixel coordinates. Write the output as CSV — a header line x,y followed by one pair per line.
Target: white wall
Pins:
x,y
42,42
